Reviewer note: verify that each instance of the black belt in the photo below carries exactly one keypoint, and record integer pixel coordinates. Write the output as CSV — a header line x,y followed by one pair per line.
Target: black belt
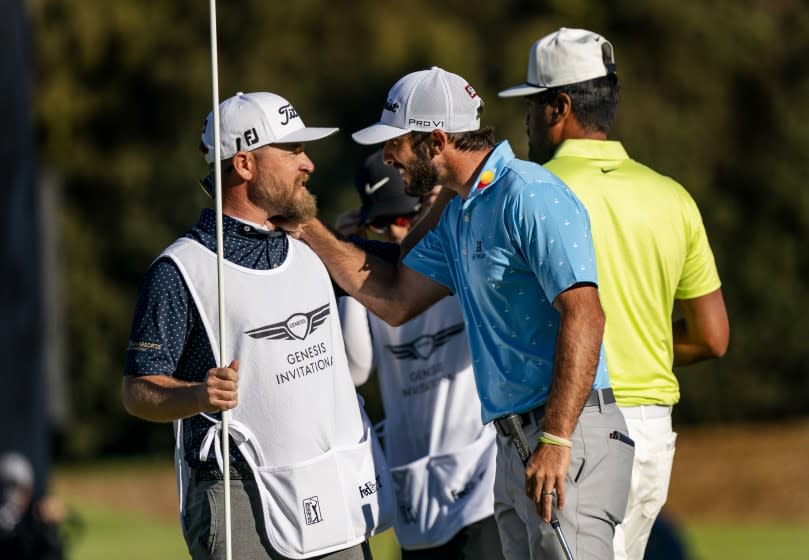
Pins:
x,y
534,415
238,471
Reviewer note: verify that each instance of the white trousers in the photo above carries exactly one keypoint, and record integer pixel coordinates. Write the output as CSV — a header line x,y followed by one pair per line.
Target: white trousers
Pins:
x,y
650,427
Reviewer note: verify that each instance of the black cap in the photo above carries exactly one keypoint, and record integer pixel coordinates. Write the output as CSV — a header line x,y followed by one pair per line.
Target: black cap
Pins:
x,y
381,189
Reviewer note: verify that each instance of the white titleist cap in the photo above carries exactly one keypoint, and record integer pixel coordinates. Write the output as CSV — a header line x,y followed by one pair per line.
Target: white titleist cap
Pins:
x,y
423,101
250,120
567,56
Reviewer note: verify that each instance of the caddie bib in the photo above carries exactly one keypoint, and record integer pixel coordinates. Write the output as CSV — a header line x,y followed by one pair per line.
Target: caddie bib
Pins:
x,y
442,457
323,481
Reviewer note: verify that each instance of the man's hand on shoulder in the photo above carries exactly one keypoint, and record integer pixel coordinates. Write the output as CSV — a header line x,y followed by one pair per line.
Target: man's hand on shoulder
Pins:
x,y
292,228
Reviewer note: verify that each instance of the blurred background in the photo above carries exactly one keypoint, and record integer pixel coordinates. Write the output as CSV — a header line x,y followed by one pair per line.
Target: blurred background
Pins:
x,y
103,108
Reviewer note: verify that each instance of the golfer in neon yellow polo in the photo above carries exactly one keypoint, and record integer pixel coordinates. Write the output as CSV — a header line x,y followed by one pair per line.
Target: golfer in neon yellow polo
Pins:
x,y
651,250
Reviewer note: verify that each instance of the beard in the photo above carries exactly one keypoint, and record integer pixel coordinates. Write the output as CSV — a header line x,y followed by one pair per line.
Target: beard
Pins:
x,y
301,209
423,172
537,154
540,148
293,204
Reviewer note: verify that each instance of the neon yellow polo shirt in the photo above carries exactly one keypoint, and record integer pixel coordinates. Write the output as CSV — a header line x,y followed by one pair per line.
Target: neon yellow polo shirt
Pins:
x,y
651,248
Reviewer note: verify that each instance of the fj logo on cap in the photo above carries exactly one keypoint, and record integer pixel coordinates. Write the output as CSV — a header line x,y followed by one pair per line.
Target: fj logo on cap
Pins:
x,y
391,106
250,136
289,113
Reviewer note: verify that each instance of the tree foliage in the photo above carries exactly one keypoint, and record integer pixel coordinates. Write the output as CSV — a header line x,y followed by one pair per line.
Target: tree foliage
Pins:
x,y
713,94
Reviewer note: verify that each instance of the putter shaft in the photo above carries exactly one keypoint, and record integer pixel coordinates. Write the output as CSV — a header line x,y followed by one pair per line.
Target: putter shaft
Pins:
x,y
521,445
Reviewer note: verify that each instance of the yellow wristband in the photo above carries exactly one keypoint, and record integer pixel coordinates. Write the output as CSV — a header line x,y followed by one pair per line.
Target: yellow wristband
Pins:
x,y
550,439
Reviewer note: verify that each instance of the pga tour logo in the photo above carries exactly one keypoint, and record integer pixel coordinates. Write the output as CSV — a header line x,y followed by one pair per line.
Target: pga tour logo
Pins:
x,y
311,510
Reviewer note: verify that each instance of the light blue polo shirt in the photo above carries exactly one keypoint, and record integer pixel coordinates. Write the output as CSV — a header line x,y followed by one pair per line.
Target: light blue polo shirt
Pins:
x,y
508,250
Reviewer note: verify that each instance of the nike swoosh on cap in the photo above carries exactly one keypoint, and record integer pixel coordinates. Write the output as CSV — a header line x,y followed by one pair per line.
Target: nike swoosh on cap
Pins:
x,y
371,189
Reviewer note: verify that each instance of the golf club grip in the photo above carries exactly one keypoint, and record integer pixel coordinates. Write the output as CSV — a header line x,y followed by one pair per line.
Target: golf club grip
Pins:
x,y
518,437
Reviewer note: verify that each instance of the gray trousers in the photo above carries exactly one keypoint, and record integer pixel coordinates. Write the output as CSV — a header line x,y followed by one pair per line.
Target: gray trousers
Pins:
x,y
204,518
596,490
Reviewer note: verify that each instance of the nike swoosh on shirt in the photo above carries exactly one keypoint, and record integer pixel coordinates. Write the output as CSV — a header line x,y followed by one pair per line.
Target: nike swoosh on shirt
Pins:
x,y
371,189
608,169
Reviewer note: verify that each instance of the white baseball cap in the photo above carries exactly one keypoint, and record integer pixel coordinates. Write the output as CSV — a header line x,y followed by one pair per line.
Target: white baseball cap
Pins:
x,y
567,56
423,101
250,120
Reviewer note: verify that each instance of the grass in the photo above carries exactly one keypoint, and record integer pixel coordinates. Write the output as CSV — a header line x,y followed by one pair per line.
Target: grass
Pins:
x,y
128,506
105,533
122,517
743,541
100,534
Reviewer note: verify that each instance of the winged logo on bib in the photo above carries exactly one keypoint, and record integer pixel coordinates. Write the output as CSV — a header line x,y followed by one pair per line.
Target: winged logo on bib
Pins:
x,y
422,347
297,327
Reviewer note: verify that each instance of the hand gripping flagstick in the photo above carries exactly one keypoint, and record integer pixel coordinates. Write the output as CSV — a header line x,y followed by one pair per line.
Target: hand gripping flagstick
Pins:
x,y
220,268
521,445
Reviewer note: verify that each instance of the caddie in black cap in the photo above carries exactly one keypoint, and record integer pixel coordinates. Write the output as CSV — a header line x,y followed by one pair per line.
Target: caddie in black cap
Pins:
x,y
383,196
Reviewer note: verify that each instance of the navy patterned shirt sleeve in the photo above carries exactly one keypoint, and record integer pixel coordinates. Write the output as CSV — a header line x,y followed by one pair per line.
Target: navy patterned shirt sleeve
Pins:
x,y
164,315
167,334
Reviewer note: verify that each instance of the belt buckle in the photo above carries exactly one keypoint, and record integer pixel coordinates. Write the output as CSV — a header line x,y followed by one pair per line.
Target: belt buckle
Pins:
x,y
501,428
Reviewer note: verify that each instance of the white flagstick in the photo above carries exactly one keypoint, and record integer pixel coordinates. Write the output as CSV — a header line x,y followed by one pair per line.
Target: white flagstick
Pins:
x,y
220,269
